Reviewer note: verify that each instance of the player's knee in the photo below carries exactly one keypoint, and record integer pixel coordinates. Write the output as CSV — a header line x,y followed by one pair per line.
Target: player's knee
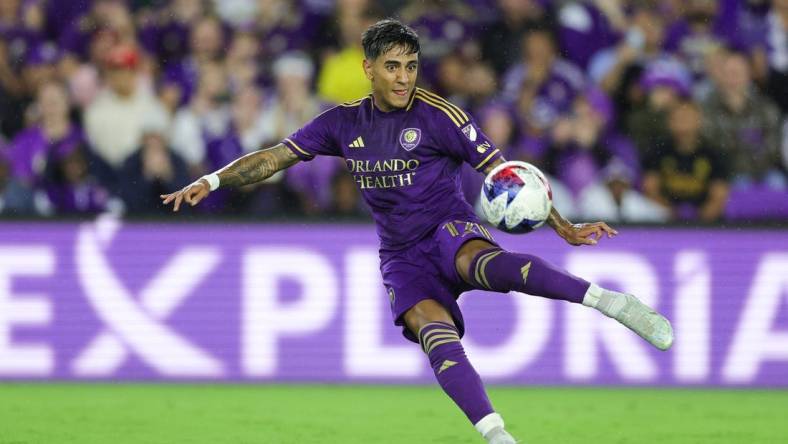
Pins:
x,y
464,260
426,312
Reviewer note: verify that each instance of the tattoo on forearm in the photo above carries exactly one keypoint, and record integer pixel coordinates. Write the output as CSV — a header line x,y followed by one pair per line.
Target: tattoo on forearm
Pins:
x,y
257,166
557,221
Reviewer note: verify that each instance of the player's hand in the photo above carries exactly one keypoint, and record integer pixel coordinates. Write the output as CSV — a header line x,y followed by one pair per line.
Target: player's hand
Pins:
x,y
586,234
191,194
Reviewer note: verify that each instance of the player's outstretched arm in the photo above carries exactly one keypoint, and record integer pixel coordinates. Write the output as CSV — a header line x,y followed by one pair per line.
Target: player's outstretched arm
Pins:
x,y
578,234
251,168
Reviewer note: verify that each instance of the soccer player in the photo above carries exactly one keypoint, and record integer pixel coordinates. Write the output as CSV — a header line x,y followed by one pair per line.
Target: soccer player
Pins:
x,y
404,147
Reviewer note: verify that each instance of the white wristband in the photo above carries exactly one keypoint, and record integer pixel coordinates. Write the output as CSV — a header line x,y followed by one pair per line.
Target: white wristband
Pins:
x,y
213,180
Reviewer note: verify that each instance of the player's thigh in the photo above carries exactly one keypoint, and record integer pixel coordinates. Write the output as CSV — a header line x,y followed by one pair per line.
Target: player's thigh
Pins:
x,y
425,312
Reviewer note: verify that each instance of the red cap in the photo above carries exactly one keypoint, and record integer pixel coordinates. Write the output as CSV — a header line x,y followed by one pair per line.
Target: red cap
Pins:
x,y
122,57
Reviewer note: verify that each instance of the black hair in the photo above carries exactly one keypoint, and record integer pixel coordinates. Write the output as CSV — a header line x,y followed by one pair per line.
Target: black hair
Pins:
x,y
386,34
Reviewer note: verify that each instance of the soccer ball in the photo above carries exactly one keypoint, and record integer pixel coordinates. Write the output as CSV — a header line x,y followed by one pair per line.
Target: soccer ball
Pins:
x,y
516,197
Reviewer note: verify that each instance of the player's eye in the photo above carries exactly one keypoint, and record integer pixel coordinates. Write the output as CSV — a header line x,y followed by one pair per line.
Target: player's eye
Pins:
x,y
411,68
391,68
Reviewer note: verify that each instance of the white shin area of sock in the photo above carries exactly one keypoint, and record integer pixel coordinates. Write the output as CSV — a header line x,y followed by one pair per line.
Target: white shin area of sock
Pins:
x,y
489,422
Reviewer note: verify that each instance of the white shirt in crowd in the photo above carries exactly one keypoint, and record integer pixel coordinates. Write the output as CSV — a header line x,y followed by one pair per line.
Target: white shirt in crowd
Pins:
x,y
114,125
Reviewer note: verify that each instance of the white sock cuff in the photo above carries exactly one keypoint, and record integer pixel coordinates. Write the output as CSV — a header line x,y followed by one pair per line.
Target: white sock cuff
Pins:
x,y
489,422
592,296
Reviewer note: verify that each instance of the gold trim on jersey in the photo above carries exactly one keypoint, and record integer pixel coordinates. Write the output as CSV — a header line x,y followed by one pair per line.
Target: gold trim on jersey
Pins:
x,y
461,114
487,159
295,145
412,98
352,103
441,106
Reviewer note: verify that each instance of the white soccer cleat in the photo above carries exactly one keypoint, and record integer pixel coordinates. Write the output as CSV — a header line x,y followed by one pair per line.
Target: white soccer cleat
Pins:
x,y
637,316
499,436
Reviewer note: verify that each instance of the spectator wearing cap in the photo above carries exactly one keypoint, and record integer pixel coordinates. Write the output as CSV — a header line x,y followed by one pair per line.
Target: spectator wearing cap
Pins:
x,y
52,131
152,170
114,120
665,82
613,199
745,125
688,176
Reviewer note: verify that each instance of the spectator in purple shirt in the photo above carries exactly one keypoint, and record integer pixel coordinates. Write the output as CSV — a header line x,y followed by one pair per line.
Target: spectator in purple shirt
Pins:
x,y
52,132
617,69
702,28
207,42
104,15
291,106
542,87
204,119
165,32
69,185
443,27
21,28
585,27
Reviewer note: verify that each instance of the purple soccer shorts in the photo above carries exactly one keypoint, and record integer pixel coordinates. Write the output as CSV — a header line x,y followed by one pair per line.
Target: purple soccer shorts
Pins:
x,y
427,270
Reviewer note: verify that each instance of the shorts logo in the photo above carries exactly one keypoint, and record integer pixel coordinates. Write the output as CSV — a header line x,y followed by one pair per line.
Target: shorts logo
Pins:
x,y
409,138
392,297
470,132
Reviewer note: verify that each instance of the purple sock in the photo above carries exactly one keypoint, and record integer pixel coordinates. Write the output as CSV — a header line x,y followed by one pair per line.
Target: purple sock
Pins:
x,y
499,270
454,372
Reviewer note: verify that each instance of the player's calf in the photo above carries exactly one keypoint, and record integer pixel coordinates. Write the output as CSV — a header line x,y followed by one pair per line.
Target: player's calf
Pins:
x,y
457,377
503,271
499,270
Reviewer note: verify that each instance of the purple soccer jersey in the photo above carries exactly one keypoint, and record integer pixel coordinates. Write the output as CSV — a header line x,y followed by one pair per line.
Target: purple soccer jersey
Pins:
x,y
405,162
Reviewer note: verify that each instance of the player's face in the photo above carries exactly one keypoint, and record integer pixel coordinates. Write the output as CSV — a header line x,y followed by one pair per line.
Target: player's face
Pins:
x,y
393,76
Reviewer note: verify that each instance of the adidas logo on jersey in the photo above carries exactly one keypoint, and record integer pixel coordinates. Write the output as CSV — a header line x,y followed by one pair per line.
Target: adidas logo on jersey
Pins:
x,y
358,143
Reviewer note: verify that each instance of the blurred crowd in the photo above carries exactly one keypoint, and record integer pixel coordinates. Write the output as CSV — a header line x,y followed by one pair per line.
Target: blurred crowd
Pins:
x,y
639,111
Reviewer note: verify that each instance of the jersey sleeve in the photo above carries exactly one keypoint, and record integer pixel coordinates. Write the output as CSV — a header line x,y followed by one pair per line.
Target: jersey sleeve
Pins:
x,y
316,137
463,139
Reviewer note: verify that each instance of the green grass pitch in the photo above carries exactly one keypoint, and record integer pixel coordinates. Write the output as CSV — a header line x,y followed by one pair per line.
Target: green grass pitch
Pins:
x,y
246,414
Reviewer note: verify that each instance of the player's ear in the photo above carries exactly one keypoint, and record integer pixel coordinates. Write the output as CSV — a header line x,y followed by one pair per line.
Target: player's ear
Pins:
x,y
367,65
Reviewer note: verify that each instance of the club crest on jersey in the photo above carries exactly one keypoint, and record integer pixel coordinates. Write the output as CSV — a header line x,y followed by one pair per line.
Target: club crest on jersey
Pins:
x,y
409,138
470,132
